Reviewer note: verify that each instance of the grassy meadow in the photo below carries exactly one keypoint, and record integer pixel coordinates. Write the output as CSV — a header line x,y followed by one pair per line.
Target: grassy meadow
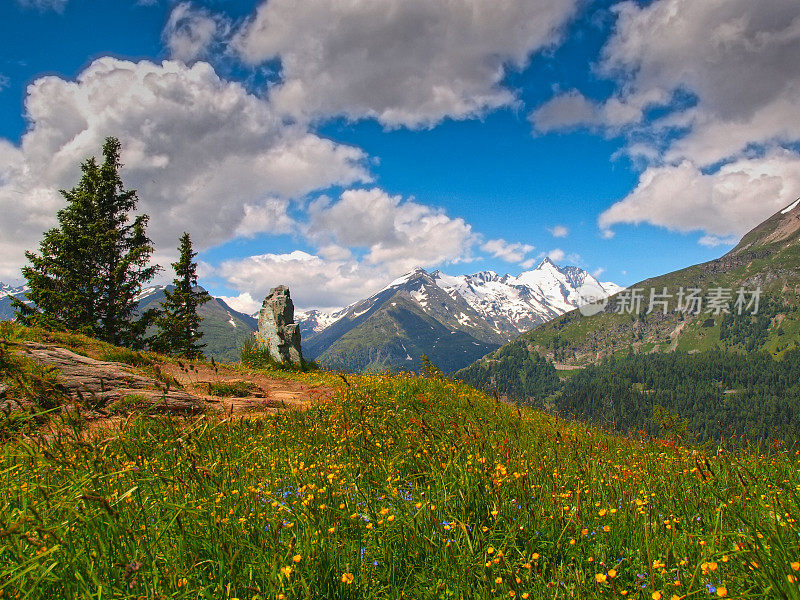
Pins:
x,y
397,487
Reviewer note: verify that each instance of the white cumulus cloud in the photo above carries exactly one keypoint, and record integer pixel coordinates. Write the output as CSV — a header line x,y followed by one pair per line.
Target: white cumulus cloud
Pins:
x,y
572,109
364,238
507,251
268,216
314,281
565,111
712,241
190,32
398,234
736,57
724,203
244,303
404,62
724,76
204,154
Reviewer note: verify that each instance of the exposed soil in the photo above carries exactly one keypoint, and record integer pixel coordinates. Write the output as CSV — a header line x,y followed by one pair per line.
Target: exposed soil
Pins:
x,y
565,367
274,394
675,334
99,389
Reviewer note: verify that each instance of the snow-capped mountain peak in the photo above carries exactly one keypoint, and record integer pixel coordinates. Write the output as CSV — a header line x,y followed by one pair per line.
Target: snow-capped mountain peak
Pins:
x,y
400,281
313,321
514,304
8,293
10,290
147,292
508,304
791,207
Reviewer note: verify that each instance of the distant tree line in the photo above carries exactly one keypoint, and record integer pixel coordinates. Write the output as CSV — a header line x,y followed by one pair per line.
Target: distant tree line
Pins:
x,y
91,268
722,395
514,372
748,331
717,395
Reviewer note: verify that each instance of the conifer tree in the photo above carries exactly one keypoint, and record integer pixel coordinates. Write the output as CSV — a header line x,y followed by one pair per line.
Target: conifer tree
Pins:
x,y
91,267
178,322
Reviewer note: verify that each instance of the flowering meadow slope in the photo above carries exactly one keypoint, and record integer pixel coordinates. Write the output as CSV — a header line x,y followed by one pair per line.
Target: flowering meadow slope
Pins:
x,y
396,487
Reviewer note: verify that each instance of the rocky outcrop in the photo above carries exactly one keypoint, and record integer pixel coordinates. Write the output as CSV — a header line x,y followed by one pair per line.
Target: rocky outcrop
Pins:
x,y
277,330
102,383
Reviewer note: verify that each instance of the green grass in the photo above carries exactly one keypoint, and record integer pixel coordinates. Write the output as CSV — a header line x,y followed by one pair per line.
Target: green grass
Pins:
x,y
78,343
33,387
126,356
129,403
15,422
646,347
255,354
238,389
397,487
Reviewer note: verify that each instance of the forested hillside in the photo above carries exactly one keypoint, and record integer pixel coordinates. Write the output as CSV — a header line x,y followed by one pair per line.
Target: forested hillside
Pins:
x,y
719,395
710,351
715,395
759,280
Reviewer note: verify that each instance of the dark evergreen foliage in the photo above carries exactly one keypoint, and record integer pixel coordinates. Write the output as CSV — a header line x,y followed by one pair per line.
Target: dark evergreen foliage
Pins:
x,y
428,369
177,320
91,267
514,372
747,331
716,395
722,395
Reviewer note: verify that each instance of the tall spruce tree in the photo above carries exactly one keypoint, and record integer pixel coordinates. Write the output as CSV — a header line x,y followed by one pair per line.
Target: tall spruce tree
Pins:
x,y
177,320
91,267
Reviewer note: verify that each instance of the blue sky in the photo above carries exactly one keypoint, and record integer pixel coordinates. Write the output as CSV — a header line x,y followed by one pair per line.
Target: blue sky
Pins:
x,y
332,145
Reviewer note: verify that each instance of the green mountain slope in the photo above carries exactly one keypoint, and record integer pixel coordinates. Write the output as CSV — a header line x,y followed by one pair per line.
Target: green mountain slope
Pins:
x,y
7,295
737,397
397,335
702,375
6,309
396,326
767,258
224,329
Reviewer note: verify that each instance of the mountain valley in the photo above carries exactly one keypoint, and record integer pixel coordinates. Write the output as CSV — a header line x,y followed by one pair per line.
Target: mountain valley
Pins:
x,y
454,320
711,349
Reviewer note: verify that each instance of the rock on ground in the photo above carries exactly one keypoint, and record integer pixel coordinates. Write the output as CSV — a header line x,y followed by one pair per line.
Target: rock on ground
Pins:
x,y
100,383
277,330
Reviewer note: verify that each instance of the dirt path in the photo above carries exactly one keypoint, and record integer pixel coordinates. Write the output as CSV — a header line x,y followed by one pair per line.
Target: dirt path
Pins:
x,y
98,388
269,393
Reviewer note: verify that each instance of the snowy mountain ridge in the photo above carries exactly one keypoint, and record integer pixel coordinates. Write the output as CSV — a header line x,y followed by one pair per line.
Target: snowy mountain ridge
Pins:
x,y
9,290
510,304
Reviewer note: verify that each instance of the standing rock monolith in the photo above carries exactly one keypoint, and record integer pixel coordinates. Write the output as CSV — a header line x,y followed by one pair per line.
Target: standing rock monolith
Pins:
x,y
277,330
